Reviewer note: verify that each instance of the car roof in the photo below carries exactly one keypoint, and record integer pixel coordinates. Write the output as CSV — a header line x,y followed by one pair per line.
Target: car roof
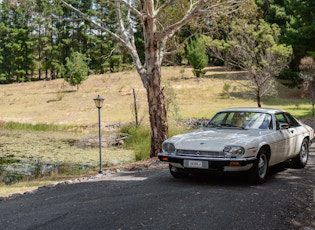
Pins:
x,y
253,109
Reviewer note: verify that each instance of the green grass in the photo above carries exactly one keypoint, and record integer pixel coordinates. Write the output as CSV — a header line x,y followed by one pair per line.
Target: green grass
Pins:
x,y
36,127
138,140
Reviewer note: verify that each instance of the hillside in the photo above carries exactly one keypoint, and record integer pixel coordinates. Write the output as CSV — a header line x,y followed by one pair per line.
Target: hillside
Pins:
x,y
56,102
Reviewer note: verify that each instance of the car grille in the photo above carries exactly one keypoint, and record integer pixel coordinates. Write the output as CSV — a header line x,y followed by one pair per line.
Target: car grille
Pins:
x,y
181,152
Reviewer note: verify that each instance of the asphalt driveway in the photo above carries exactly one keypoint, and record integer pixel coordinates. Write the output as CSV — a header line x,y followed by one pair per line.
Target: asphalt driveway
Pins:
x,y
152,199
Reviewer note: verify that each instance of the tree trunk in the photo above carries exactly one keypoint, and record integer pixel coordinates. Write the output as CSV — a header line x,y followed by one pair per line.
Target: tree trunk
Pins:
x,y
156,98
151,79
157,113
258,100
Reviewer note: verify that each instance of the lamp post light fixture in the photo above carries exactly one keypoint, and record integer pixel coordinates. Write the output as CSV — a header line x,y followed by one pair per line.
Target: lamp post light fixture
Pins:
x,y
99,103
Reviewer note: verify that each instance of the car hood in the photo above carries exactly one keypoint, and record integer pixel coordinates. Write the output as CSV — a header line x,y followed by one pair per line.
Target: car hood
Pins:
x,y
215,139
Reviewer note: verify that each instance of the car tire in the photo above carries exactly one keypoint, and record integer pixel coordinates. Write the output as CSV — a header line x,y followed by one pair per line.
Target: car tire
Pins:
x,y
176,172
258,173
301,159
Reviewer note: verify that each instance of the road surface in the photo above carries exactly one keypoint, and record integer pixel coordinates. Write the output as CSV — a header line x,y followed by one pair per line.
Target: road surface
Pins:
x,y
152,199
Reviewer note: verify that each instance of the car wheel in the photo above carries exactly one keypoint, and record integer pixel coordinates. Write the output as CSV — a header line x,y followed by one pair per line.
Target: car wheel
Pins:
x,y
301,159
176,172
257,174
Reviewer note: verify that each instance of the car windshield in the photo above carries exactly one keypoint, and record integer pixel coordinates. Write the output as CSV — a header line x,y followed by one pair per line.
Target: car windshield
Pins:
x,y
244,120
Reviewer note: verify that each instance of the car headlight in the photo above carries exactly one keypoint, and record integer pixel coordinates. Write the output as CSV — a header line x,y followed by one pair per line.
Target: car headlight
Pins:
x,y
233,151
168,147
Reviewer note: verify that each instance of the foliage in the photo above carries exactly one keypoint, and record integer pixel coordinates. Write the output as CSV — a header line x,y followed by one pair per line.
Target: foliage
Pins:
x,y
138,140
255,49
297,22
307,73
197,57
16,47
37,36
76,69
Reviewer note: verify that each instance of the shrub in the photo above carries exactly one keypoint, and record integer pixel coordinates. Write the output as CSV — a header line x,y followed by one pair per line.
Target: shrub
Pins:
x,y
76,69
138,140
197,56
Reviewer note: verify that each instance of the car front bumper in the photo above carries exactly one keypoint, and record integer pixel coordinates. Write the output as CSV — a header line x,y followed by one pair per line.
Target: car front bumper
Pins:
x,y
191,163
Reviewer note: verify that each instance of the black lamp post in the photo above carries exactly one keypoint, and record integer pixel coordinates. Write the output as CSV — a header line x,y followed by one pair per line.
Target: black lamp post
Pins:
x,y
99,103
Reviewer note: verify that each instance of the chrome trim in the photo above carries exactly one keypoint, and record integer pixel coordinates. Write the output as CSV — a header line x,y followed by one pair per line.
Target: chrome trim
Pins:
x,y
207,158
182,152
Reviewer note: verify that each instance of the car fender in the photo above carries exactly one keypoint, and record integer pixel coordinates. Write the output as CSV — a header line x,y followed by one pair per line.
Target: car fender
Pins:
x,y
267,146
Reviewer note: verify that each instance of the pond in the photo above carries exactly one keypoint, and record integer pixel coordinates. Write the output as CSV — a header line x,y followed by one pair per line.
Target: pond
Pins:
x,y
13,170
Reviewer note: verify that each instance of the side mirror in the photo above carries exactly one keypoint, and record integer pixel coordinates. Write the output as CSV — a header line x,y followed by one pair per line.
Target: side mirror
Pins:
x,y
284,126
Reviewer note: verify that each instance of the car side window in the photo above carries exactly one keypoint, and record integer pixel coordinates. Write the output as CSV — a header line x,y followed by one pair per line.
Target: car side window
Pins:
x,y
291,121
280,119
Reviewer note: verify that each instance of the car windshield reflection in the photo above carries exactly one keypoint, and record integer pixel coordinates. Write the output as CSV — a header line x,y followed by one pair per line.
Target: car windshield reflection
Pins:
x,y
243,120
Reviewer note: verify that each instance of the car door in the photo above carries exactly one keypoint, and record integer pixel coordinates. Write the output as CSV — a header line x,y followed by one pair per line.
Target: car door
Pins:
x,y
280,140
288,129
295,131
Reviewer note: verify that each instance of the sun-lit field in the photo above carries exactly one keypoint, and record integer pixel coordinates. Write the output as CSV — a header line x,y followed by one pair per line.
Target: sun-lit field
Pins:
x,y
58,103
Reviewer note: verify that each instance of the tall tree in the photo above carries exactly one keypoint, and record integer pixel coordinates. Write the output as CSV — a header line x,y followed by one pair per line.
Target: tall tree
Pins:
x,y
17,45
42,32
296,19
307,67
157,31
254,48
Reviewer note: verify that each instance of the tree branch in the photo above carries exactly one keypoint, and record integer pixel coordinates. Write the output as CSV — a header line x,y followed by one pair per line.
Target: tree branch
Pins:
x,y
124,39
196,9
87,18
130,7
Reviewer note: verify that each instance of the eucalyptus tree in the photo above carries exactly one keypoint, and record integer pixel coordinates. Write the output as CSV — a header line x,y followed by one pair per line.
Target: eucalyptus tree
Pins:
x,y
254,48
160,20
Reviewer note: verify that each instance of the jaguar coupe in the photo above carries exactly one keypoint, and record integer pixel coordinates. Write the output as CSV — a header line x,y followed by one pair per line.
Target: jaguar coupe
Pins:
x,y
240,139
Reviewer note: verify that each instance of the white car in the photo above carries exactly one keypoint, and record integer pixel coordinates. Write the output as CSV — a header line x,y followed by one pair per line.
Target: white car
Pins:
x,y
240,139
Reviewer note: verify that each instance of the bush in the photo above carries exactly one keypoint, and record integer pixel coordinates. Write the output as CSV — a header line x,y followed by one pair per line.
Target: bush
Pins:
x,y
197,56
76,69
138,140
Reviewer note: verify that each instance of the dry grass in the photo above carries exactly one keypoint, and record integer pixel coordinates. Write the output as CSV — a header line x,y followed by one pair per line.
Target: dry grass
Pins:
x,y
58,103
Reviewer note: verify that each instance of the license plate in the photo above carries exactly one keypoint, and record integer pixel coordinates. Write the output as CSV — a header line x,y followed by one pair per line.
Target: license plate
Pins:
x,y
195,164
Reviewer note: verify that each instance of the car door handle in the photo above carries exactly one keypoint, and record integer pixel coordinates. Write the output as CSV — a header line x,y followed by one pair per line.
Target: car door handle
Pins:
x,y
291,131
